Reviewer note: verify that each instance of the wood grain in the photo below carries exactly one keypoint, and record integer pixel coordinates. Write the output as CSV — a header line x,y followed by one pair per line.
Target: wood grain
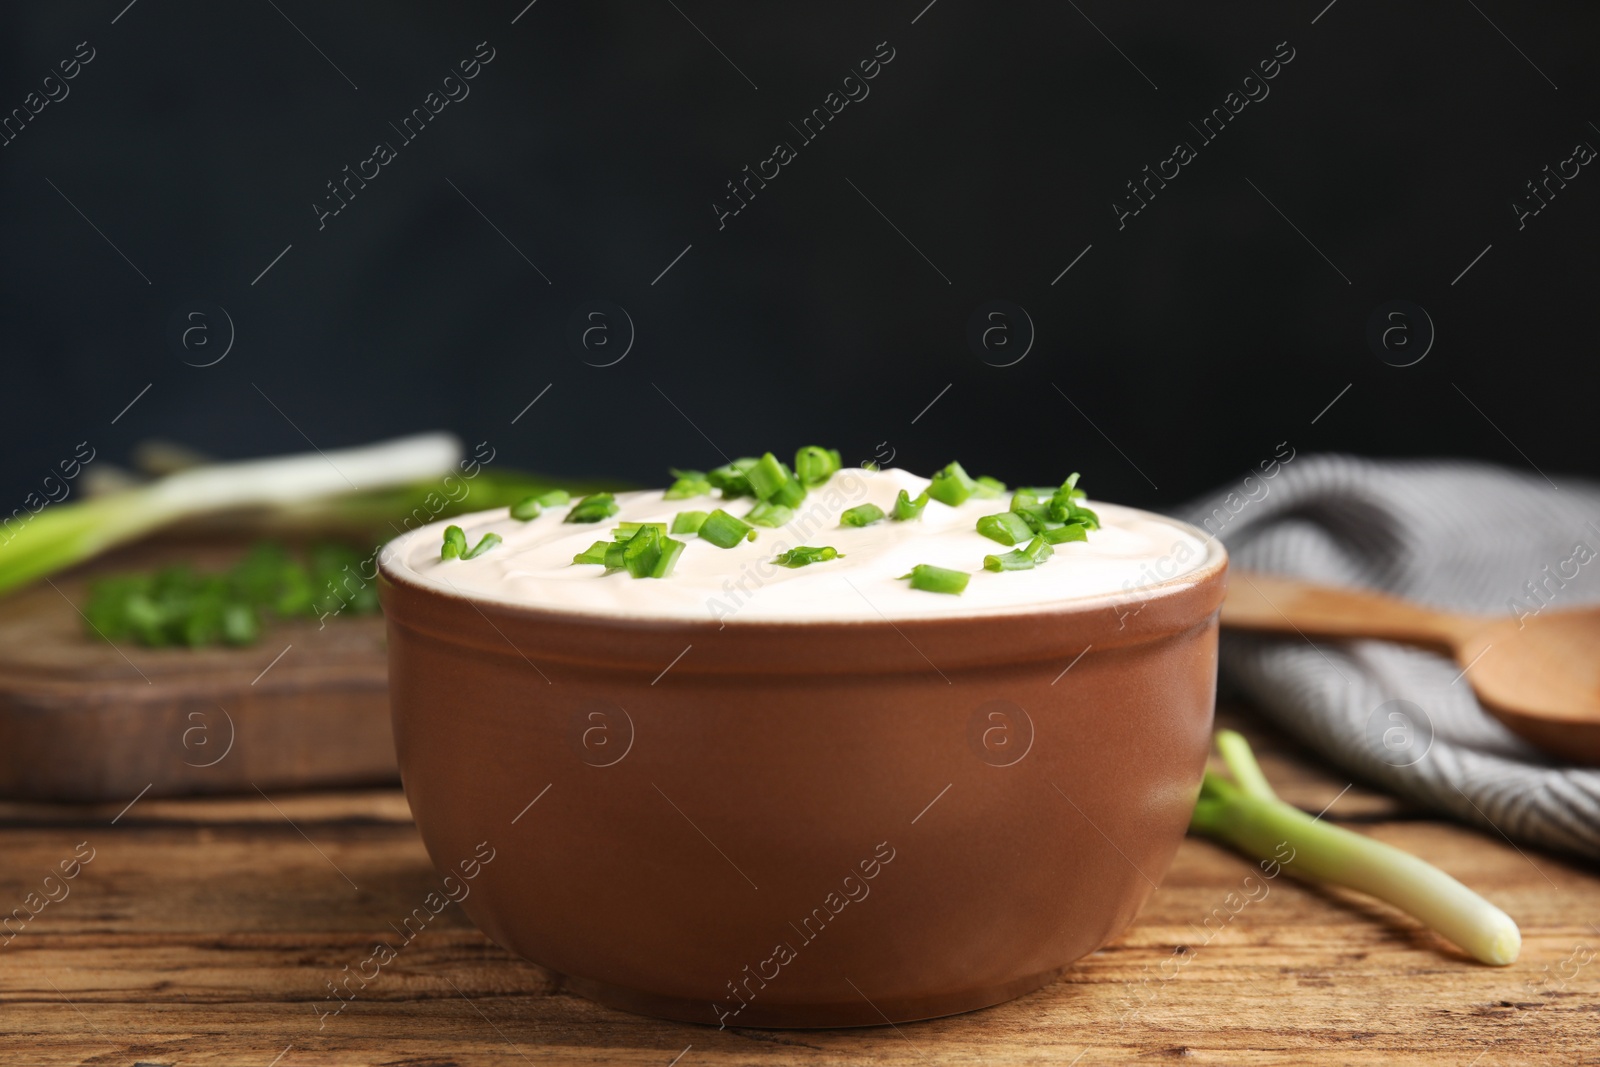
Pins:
x,y
1277,604
85,719
1542,679
203,931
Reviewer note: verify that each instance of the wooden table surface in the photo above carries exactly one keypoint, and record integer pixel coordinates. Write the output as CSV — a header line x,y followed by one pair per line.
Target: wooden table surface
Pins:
x,y
204,931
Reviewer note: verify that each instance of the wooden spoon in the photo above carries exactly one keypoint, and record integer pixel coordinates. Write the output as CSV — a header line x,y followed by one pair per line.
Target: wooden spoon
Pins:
x,y
1539,675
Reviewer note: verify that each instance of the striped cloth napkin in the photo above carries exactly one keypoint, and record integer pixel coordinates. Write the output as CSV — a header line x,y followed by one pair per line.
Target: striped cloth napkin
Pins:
x,y
1456,535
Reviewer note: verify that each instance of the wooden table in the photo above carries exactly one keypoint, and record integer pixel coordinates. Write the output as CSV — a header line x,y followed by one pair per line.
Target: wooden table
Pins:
x,y
203,931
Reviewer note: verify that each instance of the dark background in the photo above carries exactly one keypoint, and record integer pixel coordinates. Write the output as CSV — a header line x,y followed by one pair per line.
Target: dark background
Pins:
x,y
1195,339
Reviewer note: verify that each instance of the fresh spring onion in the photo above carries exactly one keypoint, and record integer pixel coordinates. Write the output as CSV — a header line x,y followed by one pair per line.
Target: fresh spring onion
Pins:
x,y
861,515
313,487
933,579
595,553
688,522
725,531
1023,559
806,555
1248,815
1008,528
593,508
907,509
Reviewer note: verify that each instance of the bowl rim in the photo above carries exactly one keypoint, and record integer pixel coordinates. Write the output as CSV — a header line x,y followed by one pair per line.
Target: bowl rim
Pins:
x,y
396,575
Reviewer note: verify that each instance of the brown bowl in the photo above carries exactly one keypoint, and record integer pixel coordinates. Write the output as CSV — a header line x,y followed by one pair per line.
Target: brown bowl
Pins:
x,y
811,824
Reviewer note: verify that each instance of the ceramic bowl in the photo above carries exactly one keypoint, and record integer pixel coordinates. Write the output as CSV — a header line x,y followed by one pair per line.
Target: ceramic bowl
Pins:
x,y
804,825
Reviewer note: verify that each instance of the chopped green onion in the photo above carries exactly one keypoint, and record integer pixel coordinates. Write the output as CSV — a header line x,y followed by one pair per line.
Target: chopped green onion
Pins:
x,y
670,551
814,465
861,515
789,494
625,530
593,508
769,513
771,481
527,509
178,606
1026,502
1008,528
485,543
767,476
689,484
552,498
931,579
595,553
240,624
649,553
906,509
1064,506
687,522
614,555
1038,519
1069,511
1072,531
725,531
642,551
732,478
1022,559
952,486
987,488
1038,550
805,555
455,543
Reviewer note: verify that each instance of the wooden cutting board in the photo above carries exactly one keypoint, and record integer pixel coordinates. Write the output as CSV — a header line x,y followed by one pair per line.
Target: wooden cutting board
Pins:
x,y
84,720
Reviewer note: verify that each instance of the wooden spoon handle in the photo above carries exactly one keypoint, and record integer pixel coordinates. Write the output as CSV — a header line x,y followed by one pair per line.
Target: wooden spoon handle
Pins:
x,y
1288,605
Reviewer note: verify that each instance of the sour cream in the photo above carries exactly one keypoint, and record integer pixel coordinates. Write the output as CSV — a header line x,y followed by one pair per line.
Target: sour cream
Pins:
x,y
1131,552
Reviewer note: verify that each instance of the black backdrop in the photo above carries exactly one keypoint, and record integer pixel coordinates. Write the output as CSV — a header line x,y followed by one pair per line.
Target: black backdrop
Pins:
x,y
978,163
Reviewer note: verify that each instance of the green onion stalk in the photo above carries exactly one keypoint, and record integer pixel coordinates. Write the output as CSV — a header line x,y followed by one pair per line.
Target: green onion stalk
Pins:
x,y
364,490
1247,814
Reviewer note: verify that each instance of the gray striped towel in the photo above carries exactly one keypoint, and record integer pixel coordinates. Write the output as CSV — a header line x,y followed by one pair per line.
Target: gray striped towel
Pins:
x,y
1456,535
